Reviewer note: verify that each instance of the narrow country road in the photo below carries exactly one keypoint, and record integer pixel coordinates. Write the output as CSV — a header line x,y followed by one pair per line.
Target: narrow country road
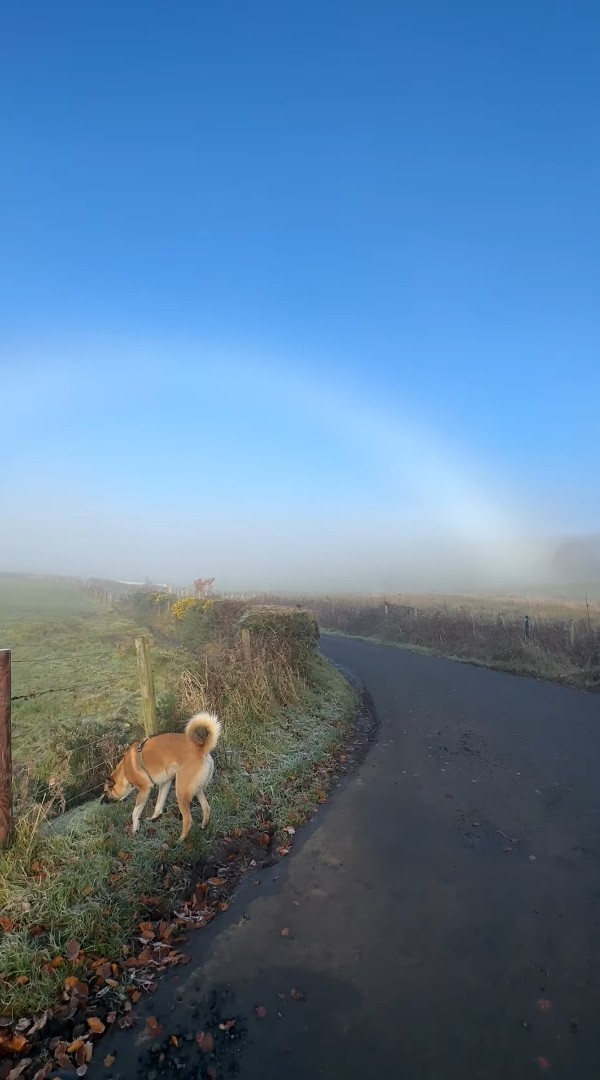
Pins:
x,y
443,908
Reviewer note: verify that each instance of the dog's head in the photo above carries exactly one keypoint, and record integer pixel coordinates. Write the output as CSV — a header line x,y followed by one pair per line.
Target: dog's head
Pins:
x,y
117,787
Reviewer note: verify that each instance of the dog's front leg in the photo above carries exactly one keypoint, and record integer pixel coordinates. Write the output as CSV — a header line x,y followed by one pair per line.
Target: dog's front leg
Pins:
x,y
140,802
162,798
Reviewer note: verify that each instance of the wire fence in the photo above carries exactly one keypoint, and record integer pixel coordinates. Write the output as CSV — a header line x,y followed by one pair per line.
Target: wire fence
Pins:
x,y
63,733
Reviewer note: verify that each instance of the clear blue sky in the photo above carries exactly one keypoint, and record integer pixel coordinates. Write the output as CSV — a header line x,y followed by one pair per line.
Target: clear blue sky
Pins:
x,y
312,261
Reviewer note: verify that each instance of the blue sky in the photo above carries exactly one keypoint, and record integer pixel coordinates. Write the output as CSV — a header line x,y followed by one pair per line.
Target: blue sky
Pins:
x,y
312,275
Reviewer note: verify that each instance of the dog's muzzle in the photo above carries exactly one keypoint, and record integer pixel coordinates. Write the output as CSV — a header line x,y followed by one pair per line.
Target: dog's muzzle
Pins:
x,y
104,797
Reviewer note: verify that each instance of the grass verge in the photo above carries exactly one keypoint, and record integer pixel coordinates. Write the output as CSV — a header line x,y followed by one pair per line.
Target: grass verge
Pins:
x,y
87,883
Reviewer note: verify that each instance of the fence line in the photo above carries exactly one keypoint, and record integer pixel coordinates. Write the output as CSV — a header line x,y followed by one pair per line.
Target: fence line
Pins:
x,y
7,699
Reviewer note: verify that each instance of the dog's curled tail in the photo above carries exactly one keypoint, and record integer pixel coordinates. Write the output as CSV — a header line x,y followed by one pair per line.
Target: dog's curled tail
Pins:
x,y
204,729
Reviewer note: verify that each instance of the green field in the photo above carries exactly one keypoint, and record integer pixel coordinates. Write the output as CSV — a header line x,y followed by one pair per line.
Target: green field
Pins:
x,y
27,598
74,684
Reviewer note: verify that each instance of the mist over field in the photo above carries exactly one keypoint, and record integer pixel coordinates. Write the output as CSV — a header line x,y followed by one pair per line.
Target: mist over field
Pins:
x,y
319,486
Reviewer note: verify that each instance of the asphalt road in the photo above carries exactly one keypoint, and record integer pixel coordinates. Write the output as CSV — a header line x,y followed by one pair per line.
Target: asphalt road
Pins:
x,y
443,909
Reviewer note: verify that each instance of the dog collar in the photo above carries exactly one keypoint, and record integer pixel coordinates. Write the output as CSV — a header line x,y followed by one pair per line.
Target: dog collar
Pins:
x,y
141,759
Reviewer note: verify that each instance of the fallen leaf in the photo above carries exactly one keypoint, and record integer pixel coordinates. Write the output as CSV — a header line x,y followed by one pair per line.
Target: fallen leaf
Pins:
x,y
6,924
283,851
96,1025
205,1042
291,830
135,995
17,1044
22,980
108,1061
261,1012
73,949
152,1023
544,1005
19,1069
297,995
174,1040
81,1071
57,962
75,1046
227,1025
285,932
110,1019
543,1063
70,982
44,1072
39,1024
216,881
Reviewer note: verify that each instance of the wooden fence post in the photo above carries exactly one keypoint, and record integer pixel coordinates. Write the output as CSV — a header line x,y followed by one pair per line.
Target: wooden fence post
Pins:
x,y
246,643
527,627
6,795
142,648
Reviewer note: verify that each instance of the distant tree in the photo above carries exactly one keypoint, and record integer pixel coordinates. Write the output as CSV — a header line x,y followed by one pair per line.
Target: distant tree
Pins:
x,y
203,585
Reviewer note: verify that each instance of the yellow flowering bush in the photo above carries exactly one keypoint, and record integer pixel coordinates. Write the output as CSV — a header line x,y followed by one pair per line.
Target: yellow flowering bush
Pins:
x,y
181,607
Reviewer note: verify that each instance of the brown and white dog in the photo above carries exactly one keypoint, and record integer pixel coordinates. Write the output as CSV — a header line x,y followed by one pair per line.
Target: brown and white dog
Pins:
x,y
185,758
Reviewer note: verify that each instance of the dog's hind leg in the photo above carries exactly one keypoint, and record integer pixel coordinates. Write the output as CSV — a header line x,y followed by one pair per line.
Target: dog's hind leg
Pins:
x,y
162,798
204,803
184,798
140,802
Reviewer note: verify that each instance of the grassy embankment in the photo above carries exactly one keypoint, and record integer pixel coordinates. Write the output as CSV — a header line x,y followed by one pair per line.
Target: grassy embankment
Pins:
x,y
82,877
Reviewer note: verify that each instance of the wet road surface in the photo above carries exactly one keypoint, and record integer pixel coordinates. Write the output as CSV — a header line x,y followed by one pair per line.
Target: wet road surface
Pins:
x,y
443,910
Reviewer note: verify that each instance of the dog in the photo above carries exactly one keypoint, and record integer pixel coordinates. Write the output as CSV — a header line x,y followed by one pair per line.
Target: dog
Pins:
x,y
160,759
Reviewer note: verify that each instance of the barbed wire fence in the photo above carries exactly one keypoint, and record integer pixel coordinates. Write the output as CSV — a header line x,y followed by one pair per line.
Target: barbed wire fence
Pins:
x,y
84,760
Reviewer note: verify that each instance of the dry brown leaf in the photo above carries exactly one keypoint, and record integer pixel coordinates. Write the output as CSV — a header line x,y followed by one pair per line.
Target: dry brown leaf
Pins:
x,y
297,995
152,1023
6,924
109,1060
17,1044
39,1024
544,1005
261,1012
22,980
110,1019
73,949
44,1072
75,1046
95,1024
543,1063
174,1040
216,881
283,851
285,932
205,1042
15,1073
57,962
